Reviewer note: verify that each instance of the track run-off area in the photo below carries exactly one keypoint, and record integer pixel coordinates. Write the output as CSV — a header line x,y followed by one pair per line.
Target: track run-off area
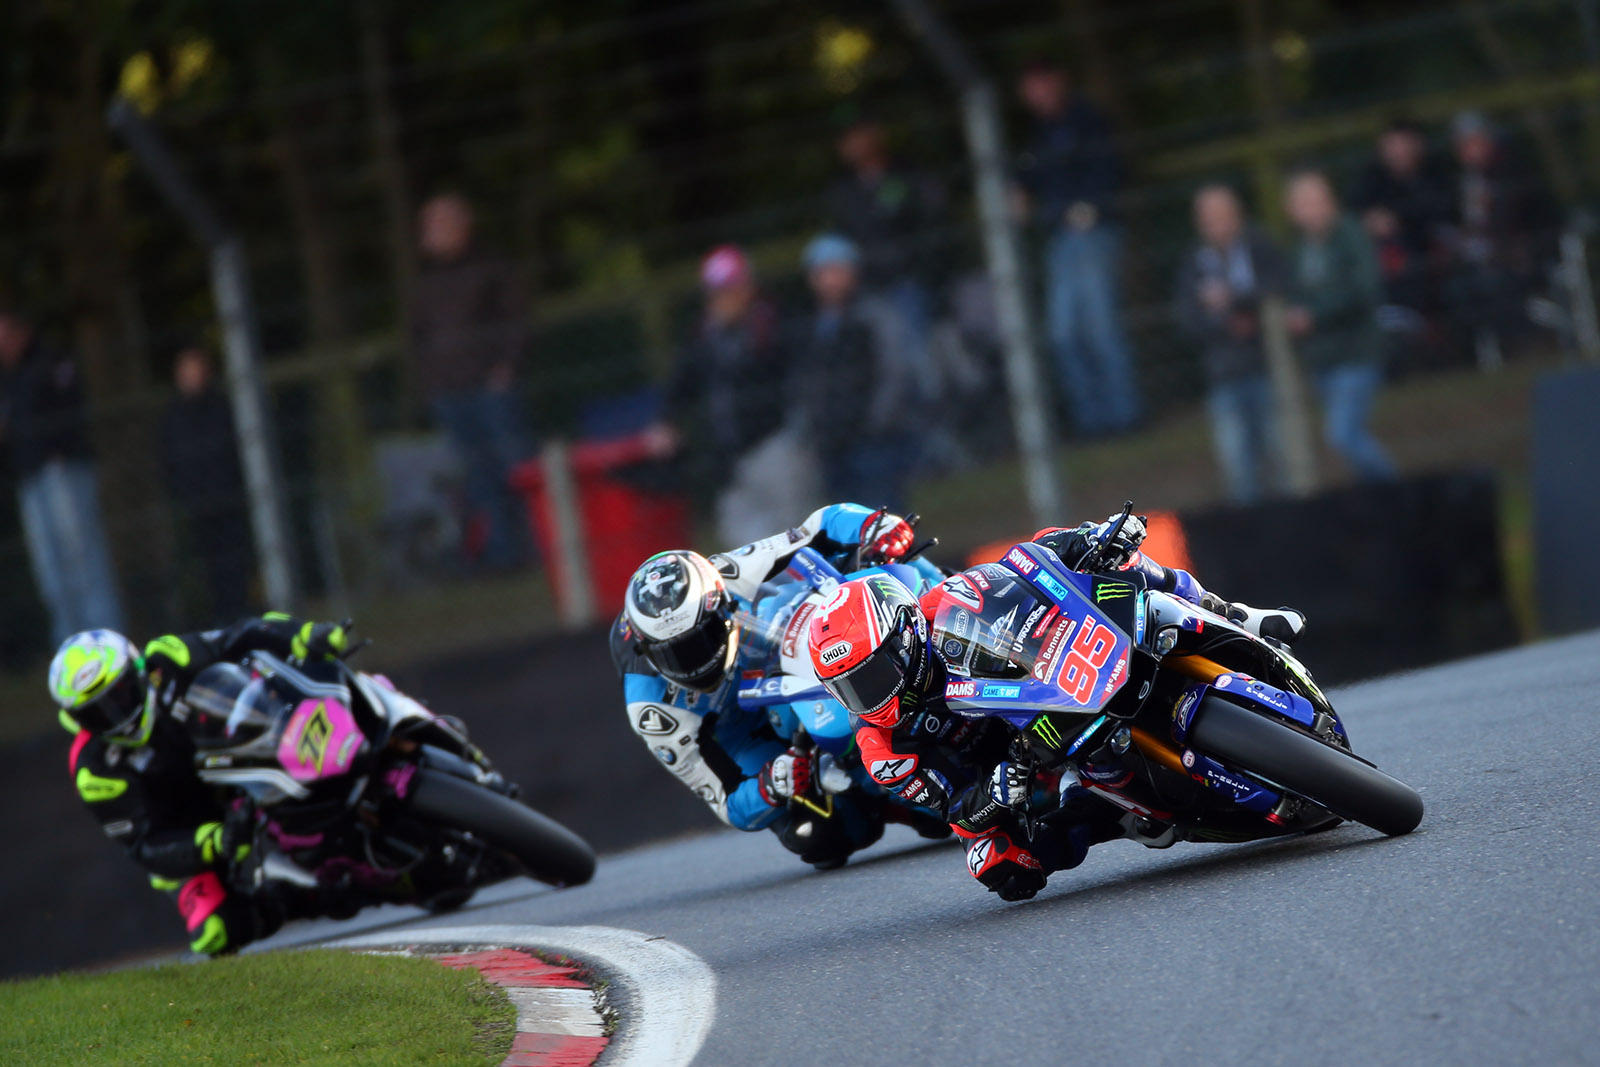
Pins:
x,y
1475,939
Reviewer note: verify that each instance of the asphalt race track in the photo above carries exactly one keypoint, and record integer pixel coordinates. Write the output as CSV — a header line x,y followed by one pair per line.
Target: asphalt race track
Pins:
x,y
1473,940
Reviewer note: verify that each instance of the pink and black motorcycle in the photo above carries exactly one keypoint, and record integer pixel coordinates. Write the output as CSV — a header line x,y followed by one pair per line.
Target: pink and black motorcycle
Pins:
x,y
348,784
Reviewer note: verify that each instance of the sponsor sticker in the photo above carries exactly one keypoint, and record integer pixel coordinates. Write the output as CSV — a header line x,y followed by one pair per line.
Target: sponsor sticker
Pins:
x,y
1047,657
1019,559
1116,674
960,690
834,653
953,648
796,631
1185,709
1188,757
1001,692
1223,681
960,622
1044,623
1048,582
888,770
655,720
963,591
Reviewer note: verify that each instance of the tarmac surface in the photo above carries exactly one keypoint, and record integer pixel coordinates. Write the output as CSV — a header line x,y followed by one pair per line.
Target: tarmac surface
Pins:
x,y
1473,940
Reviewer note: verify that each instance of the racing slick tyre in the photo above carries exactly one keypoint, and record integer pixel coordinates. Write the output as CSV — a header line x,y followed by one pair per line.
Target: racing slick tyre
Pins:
x,y
1301,764
546,849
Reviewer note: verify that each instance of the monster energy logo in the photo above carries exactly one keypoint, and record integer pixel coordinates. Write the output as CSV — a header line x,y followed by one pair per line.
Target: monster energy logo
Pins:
x,y
1047,731
1102,593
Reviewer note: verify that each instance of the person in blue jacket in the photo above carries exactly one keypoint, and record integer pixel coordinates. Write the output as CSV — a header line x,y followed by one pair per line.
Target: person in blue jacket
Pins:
x,y
695,629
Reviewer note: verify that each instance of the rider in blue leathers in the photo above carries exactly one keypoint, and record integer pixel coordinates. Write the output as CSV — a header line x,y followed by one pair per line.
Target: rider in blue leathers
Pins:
x,y
696,631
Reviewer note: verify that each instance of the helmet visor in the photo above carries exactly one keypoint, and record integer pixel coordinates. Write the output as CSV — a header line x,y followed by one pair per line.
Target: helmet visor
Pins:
x,y
115,710
869,686
696,659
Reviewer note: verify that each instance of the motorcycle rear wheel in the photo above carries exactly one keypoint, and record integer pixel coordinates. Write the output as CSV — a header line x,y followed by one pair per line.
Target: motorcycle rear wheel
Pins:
x,y
1301,764
547,850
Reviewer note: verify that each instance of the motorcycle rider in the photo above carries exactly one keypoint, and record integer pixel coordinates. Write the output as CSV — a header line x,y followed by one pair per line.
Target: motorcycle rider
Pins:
x,y
677,646
133,764
873,647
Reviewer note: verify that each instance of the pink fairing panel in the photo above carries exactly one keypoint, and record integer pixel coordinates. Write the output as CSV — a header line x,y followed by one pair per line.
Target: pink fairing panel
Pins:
x,y
321,740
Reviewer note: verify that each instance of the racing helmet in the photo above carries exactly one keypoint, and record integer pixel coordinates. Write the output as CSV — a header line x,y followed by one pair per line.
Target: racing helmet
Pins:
x,y
681,612
97,680
869,645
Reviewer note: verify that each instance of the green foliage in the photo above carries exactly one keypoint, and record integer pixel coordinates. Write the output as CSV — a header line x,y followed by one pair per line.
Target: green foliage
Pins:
x,y
305,1008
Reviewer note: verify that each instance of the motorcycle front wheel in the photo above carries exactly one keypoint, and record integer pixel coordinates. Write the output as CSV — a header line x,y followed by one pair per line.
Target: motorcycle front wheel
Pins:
x,y
547,850
1301,764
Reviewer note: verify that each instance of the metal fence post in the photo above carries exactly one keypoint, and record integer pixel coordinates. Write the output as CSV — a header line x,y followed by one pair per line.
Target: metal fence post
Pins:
x,y
980,119
1299,457
230,286
570,567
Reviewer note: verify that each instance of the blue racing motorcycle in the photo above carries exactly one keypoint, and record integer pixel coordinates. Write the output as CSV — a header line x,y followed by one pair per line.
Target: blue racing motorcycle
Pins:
x,y
1197,729
842,802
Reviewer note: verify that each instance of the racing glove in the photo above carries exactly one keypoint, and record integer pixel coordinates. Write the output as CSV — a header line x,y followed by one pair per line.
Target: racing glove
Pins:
x,y
886,538
1121,550
785,776
221,843
1009,786
321,640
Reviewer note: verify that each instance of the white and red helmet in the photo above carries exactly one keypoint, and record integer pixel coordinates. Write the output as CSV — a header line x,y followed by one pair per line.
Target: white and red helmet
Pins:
x,y
869,645
682,613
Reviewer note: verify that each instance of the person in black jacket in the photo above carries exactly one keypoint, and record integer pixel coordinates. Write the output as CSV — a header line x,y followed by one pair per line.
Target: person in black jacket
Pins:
x,y
853,343
133,765
897,218
44,416
726,398
200,467
1068,178
1404,202
1220,287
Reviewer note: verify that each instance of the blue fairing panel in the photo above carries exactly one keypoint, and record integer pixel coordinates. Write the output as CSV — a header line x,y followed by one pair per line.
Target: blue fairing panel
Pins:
x,y
1024,635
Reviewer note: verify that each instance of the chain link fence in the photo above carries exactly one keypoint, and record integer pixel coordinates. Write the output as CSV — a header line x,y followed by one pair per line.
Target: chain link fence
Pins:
x,y
604,151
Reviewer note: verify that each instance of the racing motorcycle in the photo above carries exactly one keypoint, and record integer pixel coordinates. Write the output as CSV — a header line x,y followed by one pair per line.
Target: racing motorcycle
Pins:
x,y
343,782
842,810
1197,729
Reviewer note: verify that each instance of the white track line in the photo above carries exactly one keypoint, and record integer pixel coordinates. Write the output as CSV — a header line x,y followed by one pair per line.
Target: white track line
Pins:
x,y
669,994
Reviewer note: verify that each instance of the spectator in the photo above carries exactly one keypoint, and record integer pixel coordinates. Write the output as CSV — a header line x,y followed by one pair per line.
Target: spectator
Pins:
x,y
1068,179
44,422
1404,200
1220,288
895,217
728,393
850,342
1335,293
200,465
468,326
1504,229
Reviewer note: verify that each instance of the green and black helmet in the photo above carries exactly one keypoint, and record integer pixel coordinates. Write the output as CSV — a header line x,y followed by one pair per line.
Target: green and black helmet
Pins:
x,y
97,680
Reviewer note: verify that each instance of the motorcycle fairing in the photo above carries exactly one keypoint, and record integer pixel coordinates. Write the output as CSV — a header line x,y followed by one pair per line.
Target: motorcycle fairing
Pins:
x,y
320,740
1037,641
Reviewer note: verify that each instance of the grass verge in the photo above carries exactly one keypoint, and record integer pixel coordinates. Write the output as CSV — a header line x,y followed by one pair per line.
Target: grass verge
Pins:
x,y
305,1008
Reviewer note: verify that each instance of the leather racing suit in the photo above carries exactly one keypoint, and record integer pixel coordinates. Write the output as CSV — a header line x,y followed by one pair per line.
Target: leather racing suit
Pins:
x,y
714,744
148,799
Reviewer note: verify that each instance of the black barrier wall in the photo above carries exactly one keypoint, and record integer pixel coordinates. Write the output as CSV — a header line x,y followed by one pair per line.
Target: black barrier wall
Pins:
x,y
1566,498
1389,577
